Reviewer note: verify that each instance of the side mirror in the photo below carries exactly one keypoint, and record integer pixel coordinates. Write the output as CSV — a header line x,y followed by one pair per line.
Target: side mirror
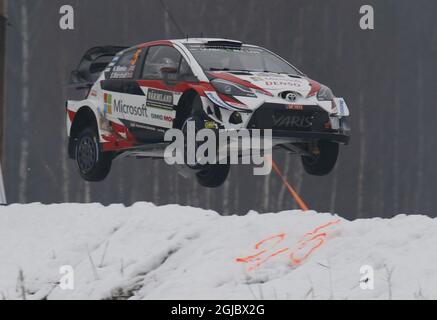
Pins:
x,y
170,75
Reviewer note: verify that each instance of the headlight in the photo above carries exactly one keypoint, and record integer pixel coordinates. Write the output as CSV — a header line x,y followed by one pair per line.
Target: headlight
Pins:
x,y
231,89
325,94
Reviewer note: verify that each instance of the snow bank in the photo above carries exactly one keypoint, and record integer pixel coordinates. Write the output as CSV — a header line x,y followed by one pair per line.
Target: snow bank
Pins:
x,y
173,252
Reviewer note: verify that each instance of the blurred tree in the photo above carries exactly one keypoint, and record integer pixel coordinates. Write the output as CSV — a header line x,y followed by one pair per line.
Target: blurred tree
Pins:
x,y
3,24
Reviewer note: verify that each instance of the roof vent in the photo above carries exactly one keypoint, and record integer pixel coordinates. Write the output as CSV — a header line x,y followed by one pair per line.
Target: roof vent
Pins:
x,y
224,44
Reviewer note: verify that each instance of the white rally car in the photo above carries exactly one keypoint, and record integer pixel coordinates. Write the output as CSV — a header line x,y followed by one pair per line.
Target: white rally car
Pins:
x,y
134,95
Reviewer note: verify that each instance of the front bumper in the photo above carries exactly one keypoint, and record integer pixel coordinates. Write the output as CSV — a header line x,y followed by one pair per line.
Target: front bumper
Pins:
x,y
308,123
299,136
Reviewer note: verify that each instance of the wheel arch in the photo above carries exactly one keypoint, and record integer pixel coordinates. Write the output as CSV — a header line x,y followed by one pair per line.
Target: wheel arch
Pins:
x,y
185,106
85,117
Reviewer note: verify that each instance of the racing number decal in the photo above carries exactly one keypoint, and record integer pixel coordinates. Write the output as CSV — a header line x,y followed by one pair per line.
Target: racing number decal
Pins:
x,y
137,54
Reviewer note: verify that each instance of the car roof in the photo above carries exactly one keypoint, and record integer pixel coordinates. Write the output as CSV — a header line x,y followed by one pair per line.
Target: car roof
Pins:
x,y
188,41
206,40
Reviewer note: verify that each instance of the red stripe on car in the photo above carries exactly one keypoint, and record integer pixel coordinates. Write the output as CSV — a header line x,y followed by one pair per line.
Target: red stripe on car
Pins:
x,y
315,87
231,100
199,87
71,115
117,142
156,43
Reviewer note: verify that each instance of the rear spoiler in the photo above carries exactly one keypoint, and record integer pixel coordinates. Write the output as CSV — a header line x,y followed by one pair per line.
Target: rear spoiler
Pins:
x,y
92,64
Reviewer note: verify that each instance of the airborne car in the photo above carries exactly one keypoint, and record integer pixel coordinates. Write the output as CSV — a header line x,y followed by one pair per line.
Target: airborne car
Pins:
x,y
134,95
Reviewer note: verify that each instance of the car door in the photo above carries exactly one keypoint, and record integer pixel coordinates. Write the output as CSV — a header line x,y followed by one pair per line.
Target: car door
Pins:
x,y
162,88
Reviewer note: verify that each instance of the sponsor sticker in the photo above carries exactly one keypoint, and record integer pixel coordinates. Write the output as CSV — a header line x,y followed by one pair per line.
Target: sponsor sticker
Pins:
x,y
136,125
210,125
294,107
130,110
286,83
292,121
135,109
159,98
342,107
107,103
161,117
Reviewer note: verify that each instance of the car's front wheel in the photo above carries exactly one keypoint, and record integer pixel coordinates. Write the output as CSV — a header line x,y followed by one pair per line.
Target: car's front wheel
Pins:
x,y
323,161
94,165
198,125
213,176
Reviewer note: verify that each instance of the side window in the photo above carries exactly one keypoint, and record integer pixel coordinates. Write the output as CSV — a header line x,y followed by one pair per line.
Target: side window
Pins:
x,y
185,72
159,57
125,67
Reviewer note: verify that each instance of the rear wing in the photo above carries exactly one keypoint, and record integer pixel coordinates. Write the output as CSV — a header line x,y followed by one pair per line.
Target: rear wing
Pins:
x,y
92,64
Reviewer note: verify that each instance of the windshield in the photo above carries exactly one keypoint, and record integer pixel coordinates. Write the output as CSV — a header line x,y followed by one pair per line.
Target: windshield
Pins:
x,y
239,59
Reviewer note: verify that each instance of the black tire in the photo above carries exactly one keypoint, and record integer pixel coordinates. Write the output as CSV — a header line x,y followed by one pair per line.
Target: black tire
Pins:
x,y
213,176
198,117
210,175
323,163
94,165
198,122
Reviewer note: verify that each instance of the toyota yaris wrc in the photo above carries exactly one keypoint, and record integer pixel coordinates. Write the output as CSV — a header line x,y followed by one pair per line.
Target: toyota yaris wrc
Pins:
x,y
134,95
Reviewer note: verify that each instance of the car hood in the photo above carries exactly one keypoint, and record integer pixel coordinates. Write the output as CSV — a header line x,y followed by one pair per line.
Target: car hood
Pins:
x,y
272,82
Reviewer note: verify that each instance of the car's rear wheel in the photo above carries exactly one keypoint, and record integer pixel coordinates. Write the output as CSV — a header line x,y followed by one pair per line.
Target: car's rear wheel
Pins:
x,y
94,165
213,176
323,161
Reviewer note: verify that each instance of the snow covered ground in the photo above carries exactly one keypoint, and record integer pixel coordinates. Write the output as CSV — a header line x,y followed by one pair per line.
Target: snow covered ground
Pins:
x,y
173,252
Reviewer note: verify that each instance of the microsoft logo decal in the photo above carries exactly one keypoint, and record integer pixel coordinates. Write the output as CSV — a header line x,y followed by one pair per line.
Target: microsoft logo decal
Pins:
x,y
108,103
